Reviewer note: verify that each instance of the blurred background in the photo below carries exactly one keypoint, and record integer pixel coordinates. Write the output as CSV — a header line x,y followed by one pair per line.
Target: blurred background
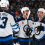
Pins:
x,y
16,5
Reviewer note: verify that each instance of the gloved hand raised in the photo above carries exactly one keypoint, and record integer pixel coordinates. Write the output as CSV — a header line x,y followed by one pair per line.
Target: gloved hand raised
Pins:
x,y
40,28
29,31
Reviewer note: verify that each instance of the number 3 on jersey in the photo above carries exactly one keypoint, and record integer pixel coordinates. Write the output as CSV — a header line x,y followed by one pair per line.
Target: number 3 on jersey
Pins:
x,y
3,22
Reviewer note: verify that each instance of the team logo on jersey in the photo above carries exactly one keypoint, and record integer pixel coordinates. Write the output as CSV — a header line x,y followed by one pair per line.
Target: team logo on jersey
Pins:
x,y
36,31
25,28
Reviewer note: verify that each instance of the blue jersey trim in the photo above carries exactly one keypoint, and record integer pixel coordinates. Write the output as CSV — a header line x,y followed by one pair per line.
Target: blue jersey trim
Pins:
x,y
14,25
21,18
6,39
16,28
8,12
41,38
15,37
25,40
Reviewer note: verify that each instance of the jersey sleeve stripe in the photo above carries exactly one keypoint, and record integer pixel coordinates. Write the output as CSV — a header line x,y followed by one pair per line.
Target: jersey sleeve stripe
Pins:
x,y
14,25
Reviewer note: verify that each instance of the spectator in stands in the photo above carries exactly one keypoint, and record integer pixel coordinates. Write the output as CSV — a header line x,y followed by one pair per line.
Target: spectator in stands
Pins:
x,y
33,10
44,5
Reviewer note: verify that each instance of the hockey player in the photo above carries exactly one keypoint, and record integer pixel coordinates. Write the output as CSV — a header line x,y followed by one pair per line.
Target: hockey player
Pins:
x,y
39,28
7,23
23,20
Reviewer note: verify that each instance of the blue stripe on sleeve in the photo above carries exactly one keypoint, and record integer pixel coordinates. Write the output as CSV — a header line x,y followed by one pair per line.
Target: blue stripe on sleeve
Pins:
x,y
16,28
14,25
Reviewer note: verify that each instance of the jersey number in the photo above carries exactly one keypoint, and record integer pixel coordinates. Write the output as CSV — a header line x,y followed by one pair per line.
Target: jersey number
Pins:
x,y
4,19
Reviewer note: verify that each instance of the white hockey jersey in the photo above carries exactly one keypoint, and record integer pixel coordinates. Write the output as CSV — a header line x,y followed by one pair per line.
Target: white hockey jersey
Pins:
x,y
23,27
39,35
7,25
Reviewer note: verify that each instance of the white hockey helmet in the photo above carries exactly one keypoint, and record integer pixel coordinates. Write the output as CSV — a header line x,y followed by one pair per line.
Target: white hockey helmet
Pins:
x,y
4,3
24,9
40,9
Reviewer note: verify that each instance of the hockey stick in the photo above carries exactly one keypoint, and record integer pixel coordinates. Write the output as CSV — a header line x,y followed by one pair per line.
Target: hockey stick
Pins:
x,y
29,32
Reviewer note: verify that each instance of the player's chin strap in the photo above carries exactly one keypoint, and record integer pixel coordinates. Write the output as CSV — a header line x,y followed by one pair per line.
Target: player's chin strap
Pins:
x,y
28,14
